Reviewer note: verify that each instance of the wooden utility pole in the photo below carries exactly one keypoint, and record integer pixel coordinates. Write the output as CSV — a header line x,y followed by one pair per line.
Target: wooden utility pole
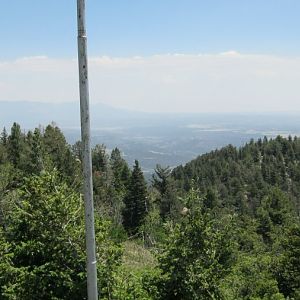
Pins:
x,y
87,157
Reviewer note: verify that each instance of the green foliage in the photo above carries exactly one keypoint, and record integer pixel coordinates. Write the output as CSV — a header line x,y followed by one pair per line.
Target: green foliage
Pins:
x,y
110,178
273,214
289,267
152,229
120,170
135,285
203,251
198,253
15,143
35,161
167,199
252,278
134,278
8,176
5,262
3,146
58,153
243,177
135,201
100,159
45,239
259,182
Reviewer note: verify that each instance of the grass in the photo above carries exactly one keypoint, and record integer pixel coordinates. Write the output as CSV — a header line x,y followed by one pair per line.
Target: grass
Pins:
x,y
136,258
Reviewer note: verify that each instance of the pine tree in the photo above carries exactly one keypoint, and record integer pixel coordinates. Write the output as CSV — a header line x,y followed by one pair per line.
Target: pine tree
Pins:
x,y
120,170
162,181
15,145
4,137
289,271
58,151
135,201
100,159
3,146
37,154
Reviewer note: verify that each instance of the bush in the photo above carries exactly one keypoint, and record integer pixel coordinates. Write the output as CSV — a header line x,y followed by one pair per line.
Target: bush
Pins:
x,y
197,255
45,240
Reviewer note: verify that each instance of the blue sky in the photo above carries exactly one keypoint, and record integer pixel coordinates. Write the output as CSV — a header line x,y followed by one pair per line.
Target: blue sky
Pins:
x,y
235,55
146,27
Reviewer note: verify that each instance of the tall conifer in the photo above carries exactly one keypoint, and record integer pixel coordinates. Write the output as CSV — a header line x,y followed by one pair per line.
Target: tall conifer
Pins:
x,y
135,201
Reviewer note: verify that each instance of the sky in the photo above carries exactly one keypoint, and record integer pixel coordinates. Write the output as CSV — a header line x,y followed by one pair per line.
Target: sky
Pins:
x,y
156,55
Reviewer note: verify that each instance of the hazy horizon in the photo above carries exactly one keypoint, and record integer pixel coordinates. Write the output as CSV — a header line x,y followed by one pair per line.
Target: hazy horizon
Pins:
x,y
156,56
166,139
225,82
161,73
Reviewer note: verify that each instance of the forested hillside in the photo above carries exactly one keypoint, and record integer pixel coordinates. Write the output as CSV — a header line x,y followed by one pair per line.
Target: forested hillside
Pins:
x,y
224,226
240,178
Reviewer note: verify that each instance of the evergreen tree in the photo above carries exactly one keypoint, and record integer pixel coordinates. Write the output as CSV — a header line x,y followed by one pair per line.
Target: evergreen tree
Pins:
x,y
58,152
3,147
45,253
289,269
15,144
120,170
102,179
273,214
197,254
77,150
163,182
100,159
36,152
4,137
119,184
135,201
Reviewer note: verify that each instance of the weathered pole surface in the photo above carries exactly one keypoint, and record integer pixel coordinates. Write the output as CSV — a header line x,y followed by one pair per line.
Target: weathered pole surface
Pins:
x,y
87,158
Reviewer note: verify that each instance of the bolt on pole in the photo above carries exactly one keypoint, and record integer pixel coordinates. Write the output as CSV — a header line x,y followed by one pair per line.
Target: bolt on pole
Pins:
x,y
87,157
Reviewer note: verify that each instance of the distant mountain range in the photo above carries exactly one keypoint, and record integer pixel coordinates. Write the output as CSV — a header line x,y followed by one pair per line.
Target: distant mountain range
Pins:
x,y
66,115
152,138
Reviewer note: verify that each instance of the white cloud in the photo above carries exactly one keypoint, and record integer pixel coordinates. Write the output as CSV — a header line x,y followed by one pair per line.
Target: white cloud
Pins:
x,y
227,81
